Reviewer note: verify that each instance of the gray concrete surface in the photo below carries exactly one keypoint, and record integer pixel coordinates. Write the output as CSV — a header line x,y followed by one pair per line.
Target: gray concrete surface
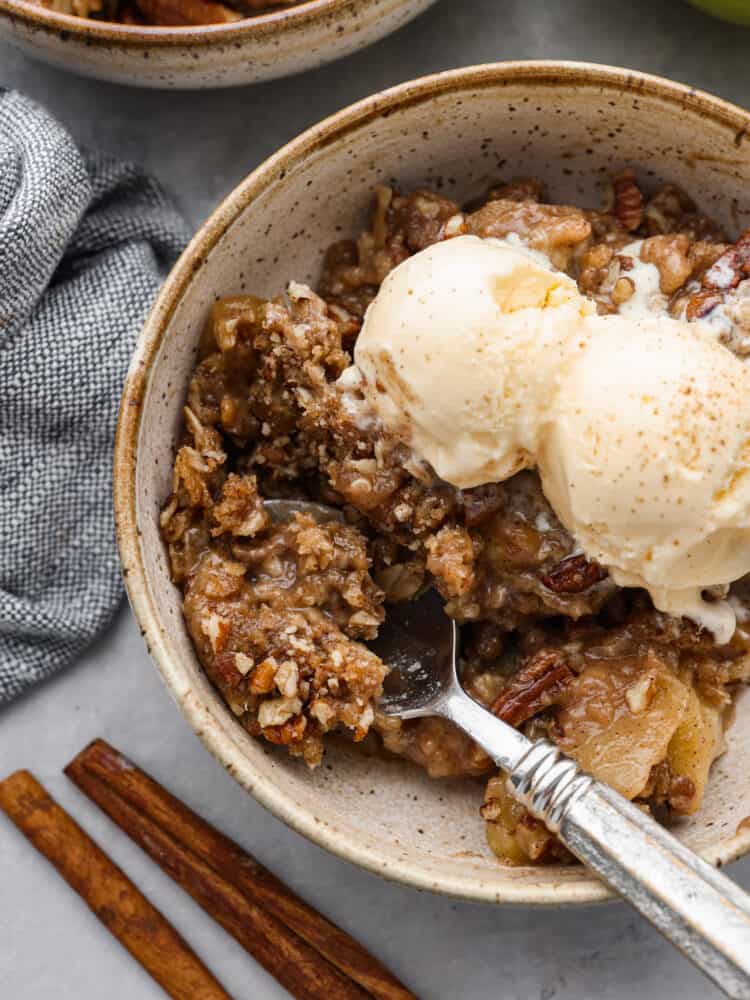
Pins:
x,y
201,144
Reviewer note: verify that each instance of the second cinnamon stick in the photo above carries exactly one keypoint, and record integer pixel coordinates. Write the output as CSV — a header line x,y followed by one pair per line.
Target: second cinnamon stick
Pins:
x,y
235,865
120,906
297,966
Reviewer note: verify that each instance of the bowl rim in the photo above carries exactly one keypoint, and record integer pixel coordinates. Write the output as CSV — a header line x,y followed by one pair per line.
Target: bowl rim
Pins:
x,y
257,26
226,750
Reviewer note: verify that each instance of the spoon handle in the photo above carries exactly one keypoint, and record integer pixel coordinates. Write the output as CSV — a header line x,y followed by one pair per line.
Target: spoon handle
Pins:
x,y
700,910
697,908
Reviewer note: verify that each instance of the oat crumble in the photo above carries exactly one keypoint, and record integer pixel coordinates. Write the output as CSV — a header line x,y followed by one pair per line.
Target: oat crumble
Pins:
x,y
280,613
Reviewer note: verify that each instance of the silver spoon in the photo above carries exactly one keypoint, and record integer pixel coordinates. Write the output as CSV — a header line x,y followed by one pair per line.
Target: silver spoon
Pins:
x,y
697,908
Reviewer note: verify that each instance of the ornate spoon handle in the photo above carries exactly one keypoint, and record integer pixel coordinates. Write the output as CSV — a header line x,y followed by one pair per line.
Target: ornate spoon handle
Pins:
x,y
697,908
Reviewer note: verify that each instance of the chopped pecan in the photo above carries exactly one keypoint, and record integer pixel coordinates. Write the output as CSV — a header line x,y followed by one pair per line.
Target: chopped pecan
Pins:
x,y
628,201
288,732
681,795
226,667
701,304
731,267
573,575
594,268
450,559
261,679
702,255
239,510
670,210
486,642
669,253
623,290
419,218
537,685
726,272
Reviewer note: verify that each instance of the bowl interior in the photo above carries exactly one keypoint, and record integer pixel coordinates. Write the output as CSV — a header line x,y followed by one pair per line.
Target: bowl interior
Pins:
x,y
572,126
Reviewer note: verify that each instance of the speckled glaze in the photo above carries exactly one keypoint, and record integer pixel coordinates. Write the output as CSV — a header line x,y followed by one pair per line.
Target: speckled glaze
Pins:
x,y
258,48
570,123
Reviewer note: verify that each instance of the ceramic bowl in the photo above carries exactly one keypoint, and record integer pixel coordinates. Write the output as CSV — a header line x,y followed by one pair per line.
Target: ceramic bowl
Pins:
x,y
258,48
572,124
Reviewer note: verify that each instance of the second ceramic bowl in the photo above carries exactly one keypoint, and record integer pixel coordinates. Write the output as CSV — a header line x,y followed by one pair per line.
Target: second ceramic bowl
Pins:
x,y
571,124
211,55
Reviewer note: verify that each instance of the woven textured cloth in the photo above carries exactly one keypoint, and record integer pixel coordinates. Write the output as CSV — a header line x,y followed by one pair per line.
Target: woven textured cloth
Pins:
x,y
84,245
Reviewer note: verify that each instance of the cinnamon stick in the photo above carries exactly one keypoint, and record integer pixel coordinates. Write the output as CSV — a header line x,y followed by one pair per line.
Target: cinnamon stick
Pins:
x,y
307,953
108,892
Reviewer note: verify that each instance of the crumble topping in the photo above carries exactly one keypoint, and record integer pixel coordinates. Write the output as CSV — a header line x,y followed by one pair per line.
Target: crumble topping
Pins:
x,y
280,613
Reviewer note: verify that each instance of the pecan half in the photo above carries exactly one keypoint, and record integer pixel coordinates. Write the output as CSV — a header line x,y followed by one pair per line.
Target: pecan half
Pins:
x,y
573,575
537,685
628,201
556,230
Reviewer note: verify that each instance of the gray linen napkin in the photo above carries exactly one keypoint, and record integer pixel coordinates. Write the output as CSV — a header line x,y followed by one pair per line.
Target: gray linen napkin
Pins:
x,y
84,245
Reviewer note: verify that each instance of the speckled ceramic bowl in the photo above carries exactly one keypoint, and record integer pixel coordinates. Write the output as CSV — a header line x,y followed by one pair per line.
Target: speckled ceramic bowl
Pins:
x,y
572,124
220,55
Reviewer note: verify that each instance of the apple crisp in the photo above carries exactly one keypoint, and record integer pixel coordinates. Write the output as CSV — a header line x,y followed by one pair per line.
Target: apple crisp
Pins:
x,y
280,613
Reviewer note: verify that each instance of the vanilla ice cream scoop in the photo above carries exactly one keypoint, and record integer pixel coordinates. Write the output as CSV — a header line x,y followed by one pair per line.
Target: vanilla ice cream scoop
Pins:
x,y
646,460
458,350
486,361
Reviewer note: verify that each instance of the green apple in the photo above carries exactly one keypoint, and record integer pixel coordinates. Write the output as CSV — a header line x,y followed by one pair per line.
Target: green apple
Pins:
x,y
737,11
